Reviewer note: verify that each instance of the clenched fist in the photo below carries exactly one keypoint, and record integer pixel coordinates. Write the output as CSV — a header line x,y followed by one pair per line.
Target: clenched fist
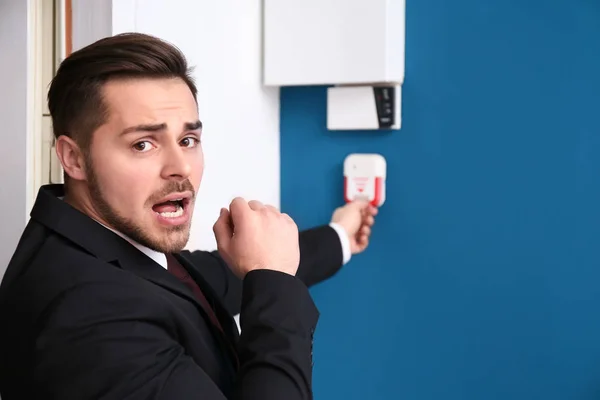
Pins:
x,y
251,235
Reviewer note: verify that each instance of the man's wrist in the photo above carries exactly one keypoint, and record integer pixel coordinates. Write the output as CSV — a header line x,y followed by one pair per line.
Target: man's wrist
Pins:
x,y
344,241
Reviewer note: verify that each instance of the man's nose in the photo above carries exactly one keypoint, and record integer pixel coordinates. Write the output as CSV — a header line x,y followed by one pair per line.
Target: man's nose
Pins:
x,y
176,164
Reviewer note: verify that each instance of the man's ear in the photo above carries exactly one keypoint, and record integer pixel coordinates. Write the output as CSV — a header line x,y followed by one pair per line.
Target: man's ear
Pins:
x,y
71,158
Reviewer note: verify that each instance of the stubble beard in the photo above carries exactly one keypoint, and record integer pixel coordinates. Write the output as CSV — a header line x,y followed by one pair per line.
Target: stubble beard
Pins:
x,y
166,240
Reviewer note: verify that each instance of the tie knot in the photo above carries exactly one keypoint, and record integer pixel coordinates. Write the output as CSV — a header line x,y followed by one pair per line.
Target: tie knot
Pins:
x,y
175,267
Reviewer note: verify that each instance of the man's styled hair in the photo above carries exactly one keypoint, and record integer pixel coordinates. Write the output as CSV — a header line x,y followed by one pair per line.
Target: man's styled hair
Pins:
x,y
75,97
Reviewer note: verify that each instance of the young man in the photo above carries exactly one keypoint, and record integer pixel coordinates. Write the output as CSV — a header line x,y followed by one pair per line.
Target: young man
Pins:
x,y
101,301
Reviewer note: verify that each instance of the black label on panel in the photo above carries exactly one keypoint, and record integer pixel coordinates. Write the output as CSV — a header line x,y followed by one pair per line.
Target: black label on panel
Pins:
x,y
384,101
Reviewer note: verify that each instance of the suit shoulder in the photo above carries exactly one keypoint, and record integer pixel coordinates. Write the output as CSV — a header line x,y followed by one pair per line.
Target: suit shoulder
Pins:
x,y
61,263
46,266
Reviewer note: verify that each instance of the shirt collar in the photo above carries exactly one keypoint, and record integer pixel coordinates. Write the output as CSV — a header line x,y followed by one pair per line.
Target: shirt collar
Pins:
x,y
158,257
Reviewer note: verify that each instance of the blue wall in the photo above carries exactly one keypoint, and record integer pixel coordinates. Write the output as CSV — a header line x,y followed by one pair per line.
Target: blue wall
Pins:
x,y
483,277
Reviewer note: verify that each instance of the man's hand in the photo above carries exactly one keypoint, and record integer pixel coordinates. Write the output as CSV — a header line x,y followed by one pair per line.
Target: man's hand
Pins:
x,y
356,218
251,235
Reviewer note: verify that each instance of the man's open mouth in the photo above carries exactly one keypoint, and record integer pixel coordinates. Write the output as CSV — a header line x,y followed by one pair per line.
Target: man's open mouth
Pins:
x,y
172,208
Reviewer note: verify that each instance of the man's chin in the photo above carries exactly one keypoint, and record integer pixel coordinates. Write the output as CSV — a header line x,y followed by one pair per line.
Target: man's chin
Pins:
x,y
171,242
162,239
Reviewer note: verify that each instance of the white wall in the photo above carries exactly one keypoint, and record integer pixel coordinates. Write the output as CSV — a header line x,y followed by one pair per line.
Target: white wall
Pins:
x,y
14,129
222,39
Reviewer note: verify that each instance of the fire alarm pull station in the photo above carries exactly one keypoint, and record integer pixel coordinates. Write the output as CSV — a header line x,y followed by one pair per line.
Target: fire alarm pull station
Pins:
x,y
364,178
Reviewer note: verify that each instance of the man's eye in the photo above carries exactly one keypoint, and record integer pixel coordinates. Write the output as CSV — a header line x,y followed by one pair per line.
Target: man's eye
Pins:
x,y
142,146
189,142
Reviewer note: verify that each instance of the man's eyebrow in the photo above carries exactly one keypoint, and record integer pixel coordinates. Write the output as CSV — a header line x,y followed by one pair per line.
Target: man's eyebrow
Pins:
x,y
193,126
188,126
145,128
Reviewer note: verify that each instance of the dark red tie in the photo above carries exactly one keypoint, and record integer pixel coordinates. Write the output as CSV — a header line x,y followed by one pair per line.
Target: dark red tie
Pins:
x,y
174,267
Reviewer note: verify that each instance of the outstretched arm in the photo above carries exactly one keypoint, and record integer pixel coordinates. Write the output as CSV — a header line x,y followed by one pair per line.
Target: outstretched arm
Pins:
x,y
321,256
323,251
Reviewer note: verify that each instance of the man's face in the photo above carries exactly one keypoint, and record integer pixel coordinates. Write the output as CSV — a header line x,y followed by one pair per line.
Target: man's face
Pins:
x,y
145,164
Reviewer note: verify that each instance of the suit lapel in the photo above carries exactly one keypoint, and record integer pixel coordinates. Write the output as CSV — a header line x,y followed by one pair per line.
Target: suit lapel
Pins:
x,y
146,268
230,333
225,319
131,259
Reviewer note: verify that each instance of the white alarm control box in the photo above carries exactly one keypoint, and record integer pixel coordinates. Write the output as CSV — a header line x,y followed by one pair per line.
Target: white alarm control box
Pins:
x,y
364,178
364,107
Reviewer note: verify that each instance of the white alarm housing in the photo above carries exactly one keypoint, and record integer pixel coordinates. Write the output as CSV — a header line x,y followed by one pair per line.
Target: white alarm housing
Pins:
x,y
364,178
364,107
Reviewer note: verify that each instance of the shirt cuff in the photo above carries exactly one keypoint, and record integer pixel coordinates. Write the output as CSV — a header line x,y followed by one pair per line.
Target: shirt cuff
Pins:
x,y
344,240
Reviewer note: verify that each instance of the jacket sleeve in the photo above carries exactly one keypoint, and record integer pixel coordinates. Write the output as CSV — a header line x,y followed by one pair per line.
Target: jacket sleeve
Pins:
x,y
320,258
106,340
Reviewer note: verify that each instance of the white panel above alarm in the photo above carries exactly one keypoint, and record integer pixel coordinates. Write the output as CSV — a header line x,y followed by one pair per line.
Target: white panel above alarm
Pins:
x,y
331,42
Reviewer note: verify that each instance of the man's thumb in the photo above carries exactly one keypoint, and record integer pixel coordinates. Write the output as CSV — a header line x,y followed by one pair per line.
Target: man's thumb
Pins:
x,y
222,229
360,204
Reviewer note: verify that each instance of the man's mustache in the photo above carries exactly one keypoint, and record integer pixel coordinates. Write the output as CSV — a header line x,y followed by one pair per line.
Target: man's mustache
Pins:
x,y
172,187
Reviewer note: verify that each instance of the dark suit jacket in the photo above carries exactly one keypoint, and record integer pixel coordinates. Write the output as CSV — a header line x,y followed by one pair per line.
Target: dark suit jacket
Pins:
x,y
85,315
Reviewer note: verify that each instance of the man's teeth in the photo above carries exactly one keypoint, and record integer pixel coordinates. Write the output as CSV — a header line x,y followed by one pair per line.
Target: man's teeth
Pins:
x,y
173,214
